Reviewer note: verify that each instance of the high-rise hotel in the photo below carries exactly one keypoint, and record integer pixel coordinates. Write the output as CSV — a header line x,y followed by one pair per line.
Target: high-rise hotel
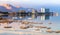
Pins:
x,y
45,11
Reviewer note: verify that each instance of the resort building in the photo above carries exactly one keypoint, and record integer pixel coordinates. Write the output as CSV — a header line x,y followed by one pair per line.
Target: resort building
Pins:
x,y
44,10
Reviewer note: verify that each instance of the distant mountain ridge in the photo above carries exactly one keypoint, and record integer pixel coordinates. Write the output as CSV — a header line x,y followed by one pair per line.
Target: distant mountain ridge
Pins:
x,y
9,8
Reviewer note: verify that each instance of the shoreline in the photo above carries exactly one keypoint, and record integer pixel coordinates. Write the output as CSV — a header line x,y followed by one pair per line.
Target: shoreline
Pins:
x,y
26,33
15,28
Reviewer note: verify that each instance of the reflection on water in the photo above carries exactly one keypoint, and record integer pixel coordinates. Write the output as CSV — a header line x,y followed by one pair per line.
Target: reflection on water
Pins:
x,y
29,16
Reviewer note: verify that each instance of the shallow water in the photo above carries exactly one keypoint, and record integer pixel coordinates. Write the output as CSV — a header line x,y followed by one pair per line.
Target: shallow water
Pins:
x,y
55,20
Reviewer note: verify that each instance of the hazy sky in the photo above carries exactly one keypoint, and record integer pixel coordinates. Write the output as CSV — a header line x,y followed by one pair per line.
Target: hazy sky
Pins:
x,y
34,3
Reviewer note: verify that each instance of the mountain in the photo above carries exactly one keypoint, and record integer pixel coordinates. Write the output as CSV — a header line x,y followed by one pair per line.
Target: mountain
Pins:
x,y
11,8
5,8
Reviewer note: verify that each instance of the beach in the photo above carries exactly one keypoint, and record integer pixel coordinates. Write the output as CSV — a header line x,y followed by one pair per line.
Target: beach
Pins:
x,y
29,28
29,17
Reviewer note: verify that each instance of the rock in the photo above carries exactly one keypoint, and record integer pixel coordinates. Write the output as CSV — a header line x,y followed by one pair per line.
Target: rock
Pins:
x,y
6,21
37,29
50,23
43,27
49,28
25,22
7,27
24,26
31,26
57,31
37,26
40,23
40,26
50,31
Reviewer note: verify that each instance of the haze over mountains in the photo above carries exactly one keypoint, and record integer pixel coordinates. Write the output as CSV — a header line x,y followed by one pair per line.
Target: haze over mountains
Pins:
x,y
10,8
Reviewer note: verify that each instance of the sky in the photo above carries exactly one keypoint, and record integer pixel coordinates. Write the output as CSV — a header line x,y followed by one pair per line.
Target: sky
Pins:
x,y
31,2
52,4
